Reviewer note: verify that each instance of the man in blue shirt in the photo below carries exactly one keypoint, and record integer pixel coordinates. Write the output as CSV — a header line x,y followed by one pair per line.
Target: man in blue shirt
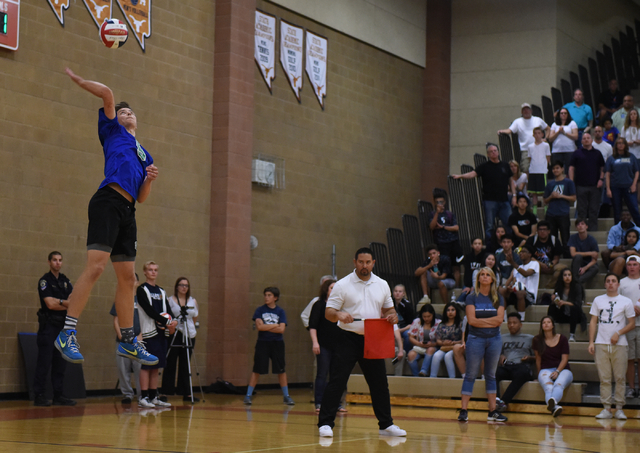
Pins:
x,y
580,112
584,251
616,236
129,173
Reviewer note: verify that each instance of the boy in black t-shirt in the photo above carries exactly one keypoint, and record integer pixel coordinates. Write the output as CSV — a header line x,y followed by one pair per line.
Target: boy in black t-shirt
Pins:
x,y
547,250
444,227
435,272
523,222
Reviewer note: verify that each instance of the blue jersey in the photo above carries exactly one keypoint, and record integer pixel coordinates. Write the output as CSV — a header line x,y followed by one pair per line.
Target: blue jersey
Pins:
x,y
275,315
125,160
484,309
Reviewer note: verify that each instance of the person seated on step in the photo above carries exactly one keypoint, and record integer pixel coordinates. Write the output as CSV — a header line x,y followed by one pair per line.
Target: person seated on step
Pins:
x,y
552,362
472,262
619,259
503,256
422,335
566,303
584,252
616,238
521,289
547,250
515,361
523,222
448,335
436,272
444,227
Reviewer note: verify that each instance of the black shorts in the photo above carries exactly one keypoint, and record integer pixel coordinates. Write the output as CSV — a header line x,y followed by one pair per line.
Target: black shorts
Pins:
x,y
537,182
112,225
266,350
452,250
157,346
529,299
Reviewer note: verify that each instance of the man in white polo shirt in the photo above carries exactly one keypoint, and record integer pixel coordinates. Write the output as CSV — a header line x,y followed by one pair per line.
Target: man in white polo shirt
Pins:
x,y
358,296
630,287
612,316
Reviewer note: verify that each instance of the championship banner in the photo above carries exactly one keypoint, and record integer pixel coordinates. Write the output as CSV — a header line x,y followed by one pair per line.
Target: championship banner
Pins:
x,y
265,47
137,13
291,55
99,10
317,65
58,7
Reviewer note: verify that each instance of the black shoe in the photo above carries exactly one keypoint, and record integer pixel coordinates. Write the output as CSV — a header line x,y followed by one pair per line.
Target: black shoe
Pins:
x,y
551,404
188,398
126,400
63,401
464,416
163,398
495,416
41,400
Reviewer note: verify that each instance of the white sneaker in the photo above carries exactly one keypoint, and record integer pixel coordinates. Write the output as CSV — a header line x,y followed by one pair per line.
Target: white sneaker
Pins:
x,y
572,338
393,430
144,402
158,402
629,393
605,414
620,415
325,431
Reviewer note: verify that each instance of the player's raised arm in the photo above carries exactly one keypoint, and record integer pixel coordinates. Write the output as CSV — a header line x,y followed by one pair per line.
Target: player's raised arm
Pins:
x,y
97,89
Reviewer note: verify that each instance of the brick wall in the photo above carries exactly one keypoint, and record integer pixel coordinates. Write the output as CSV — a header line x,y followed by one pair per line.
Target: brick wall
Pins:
x,y
52,163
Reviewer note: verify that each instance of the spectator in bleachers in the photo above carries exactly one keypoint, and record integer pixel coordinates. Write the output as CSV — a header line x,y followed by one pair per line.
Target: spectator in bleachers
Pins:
x,y
620,115
552,361
444,227
631,132
616,237
423,338
448,334
515,360
435,273
521,289
485,313
600,144
490,261
612,317
587,172
520,179
559,196
564,133
496,239
610,131
609,101
496,180
523,222
566,305
621,180
584,252
523,126
630,287
504,257
540,155
304,316
580,112
547,250
619,258
405,312
472,261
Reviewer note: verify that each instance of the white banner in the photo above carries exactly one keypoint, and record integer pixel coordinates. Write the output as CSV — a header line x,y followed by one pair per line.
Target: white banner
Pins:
x,y
291,55
317,65
265,51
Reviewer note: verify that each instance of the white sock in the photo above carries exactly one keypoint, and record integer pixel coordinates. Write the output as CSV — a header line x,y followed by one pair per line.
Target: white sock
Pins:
x,y
521,315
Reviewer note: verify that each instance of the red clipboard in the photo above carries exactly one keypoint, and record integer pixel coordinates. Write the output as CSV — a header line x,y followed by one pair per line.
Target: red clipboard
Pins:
x,y
379,342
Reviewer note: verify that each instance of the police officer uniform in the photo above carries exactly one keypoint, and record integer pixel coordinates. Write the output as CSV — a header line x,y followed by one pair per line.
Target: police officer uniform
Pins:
x,y
51,323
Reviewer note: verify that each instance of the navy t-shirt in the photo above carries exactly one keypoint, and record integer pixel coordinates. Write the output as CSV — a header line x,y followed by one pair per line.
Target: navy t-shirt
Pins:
x,y
125,160
589,244
559,206
622,170
484,309
443,266
586,164
275,315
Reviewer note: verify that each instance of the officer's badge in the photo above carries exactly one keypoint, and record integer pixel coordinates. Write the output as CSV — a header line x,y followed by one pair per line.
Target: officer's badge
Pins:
x,y
141,153
43,284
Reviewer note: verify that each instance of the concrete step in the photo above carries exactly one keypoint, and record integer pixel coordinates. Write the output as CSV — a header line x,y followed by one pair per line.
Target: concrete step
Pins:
x,y
589,293
533,313
533,328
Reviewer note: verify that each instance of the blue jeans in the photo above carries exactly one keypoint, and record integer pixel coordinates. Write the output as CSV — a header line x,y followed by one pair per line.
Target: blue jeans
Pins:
x,y
493,209
554,389
324,364
448,362
479,348
631,199
426,365
406,343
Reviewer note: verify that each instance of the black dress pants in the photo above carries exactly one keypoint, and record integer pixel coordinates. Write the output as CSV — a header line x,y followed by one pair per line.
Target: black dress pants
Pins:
x,y
49,358
345,357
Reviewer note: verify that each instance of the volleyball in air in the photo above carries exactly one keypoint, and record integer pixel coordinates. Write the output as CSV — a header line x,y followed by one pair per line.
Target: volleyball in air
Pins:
x,y
113,33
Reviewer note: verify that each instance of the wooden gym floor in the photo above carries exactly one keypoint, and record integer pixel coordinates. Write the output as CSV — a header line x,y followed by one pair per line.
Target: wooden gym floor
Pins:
x,y
223,424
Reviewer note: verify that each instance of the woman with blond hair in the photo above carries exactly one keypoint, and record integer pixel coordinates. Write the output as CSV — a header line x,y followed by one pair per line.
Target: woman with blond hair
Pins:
x,y
631,132
521,179
485,312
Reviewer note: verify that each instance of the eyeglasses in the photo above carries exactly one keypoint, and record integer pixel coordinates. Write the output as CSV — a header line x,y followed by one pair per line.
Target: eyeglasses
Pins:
x,y
183,285
441,202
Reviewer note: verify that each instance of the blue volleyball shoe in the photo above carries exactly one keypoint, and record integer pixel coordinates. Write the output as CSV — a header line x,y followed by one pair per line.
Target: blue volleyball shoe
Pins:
x,y
68,346
136,351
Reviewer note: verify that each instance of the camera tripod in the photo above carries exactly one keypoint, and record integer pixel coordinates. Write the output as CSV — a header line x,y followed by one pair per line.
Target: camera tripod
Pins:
x,y
188,345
